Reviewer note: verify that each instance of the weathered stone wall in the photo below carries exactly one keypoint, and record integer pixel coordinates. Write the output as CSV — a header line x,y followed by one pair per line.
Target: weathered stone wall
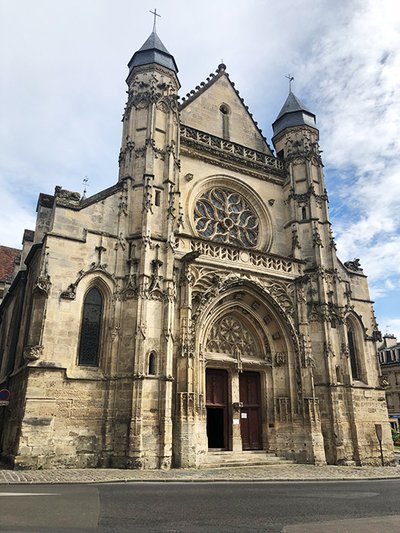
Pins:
x,y
12,415
63,423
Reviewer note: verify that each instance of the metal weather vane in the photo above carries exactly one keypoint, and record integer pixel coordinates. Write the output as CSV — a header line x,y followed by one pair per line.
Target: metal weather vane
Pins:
x,y
290,78
84,183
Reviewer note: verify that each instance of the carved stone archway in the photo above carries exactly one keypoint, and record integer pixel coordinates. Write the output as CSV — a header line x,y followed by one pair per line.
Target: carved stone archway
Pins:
x,y
240,332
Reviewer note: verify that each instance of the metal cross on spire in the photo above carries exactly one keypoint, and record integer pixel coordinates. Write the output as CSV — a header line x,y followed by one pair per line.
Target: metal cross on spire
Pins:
x,y
290,78
155,17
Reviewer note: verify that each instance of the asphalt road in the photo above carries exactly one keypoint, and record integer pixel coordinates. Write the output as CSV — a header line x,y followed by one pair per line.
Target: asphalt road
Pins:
x,y
297,507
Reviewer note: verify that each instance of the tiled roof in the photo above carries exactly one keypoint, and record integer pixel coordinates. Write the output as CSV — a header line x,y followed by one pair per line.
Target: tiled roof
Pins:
x,y
153,51
8,258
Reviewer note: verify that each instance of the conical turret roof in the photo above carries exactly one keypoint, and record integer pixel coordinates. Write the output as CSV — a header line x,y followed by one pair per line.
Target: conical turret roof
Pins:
x,y
293,113
153,51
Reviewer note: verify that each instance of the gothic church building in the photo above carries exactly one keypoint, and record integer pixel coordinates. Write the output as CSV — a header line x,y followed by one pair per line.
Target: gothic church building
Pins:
x,y
195,306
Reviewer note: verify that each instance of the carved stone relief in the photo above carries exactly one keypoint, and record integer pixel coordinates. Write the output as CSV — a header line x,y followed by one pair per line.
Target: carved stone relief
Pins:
x,y
229,335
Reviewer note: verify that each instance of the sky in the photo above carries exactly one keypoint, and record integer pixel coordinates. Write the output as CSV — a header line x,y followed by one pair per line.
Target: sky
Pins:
x,y
62,93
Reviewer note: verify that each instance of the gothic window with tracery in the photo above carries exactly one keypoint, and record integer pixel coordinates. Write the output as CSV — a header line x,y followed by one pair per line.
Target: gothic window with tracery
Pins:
x,y
89,345
353,354
225,216
229,334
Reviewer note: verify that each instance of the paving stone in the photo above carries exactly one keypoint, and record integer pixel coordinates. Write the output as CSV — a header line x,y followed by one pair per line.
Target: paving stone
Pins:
x,y
235,474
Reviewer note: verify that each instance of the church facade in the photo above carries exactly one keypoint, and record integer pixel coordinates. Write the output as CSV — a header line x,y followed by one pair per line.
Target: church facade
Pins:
x,y
196,305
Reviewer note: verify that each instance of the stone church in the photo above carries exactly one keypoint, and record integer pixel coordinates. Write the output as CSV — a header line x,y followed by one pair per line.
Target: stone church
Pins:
x,y
196,306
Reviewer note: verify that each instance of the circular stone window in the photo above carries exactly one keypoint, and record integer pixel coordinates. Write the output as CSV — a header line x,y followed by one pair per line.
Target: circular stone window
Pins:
x,y
224,216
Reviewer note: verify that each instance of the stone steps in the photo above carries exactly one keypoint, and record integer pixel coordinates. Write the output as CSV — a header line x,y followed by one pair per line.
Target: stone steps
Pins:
x,y
220,459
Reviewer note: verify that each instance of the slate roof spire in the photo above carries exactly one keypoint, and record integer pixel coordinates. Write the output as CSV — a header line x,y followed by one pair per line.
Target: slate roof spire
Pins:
x,y
153,51
293,113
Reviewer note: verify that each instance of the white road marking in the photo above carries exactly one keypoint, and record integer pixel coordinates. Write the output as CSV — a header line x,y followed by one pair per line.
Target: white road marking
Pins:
x,y
28,494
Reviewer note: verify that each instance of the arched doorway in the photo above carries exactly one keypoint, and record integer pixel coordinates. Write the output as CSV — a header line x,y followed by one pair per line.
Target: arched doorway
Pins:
x,y
246,354
220,415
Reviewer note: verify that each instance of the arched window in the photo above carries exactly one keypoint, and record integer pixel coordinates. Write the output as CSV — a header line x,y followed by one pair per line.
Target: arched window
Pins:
x,y
152,364
225,112
353,353
89,344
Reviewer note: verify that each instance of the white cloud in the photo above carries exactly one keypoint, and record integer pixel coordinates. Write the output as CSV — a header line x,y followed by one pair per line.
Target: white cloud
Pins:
x,y
391,325
352,77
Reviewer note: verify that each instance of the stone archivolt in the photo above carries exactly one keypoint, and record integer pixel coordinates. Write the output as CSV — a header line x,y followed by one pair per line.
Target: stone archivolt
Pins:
x,y
207,282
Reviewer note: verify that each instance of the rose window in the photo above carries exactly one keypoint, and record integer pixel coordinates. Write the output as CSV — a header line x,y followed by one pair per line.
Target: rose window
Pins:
x,y
225,216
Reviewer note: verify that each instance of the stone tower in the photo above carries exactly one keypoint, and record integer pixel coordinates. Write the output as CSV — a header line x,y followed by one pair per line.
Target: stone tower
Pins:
x,y
149,164
332,325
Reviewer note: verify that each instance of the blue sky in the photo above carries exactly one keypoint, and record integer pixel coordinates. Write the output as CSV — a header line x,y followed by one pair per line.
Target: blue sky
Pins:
x,y
62,93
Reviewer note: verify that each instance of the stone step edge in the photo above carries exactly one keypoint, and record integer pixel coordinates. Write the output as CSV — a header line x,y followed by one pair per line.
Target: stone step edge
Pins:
x,y
246,465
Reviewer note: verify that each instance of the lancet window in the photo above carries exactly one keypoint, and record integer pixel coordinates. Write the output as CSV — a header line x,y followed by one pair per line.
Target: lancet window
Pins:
x,y
353,354
89,345
152,364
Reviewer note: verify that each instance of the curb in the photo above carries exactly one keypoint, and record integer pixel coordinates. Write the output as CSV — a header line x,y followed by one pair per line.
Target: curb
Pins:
x,y
195,480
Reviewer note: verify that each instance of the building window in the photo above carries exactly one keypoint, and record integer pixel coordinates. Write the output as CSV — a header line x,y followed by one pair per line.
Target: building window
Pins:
x,y
152,364
353,354
89,345
225,112
225,216
303,213
389,400
157,198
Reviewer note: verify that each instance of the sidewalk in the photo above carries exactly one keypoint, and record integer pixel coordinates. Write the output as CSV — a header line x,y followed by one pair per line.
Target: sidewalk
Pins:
x,y
234,474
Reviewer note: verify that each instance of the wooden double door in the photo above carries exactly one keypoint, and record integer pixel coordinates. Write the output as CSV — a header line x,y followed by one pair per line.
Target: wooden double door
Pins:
x,y
219,413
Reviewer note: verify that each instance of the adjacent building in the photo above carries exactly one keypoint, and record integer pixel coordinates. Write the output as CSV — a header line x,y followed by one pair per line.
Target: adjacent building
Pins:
x,y
389,360
9,263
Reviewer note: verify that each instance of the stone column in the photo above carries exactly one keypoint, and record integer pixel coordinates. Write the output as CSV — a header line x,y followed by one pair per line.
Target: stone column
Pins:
x,y
235,392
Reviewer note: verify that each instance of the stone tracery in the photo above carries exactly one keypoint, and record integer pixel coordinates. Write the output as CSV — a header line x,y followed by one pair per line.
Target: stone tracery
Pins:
x,y
224,216
229,334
